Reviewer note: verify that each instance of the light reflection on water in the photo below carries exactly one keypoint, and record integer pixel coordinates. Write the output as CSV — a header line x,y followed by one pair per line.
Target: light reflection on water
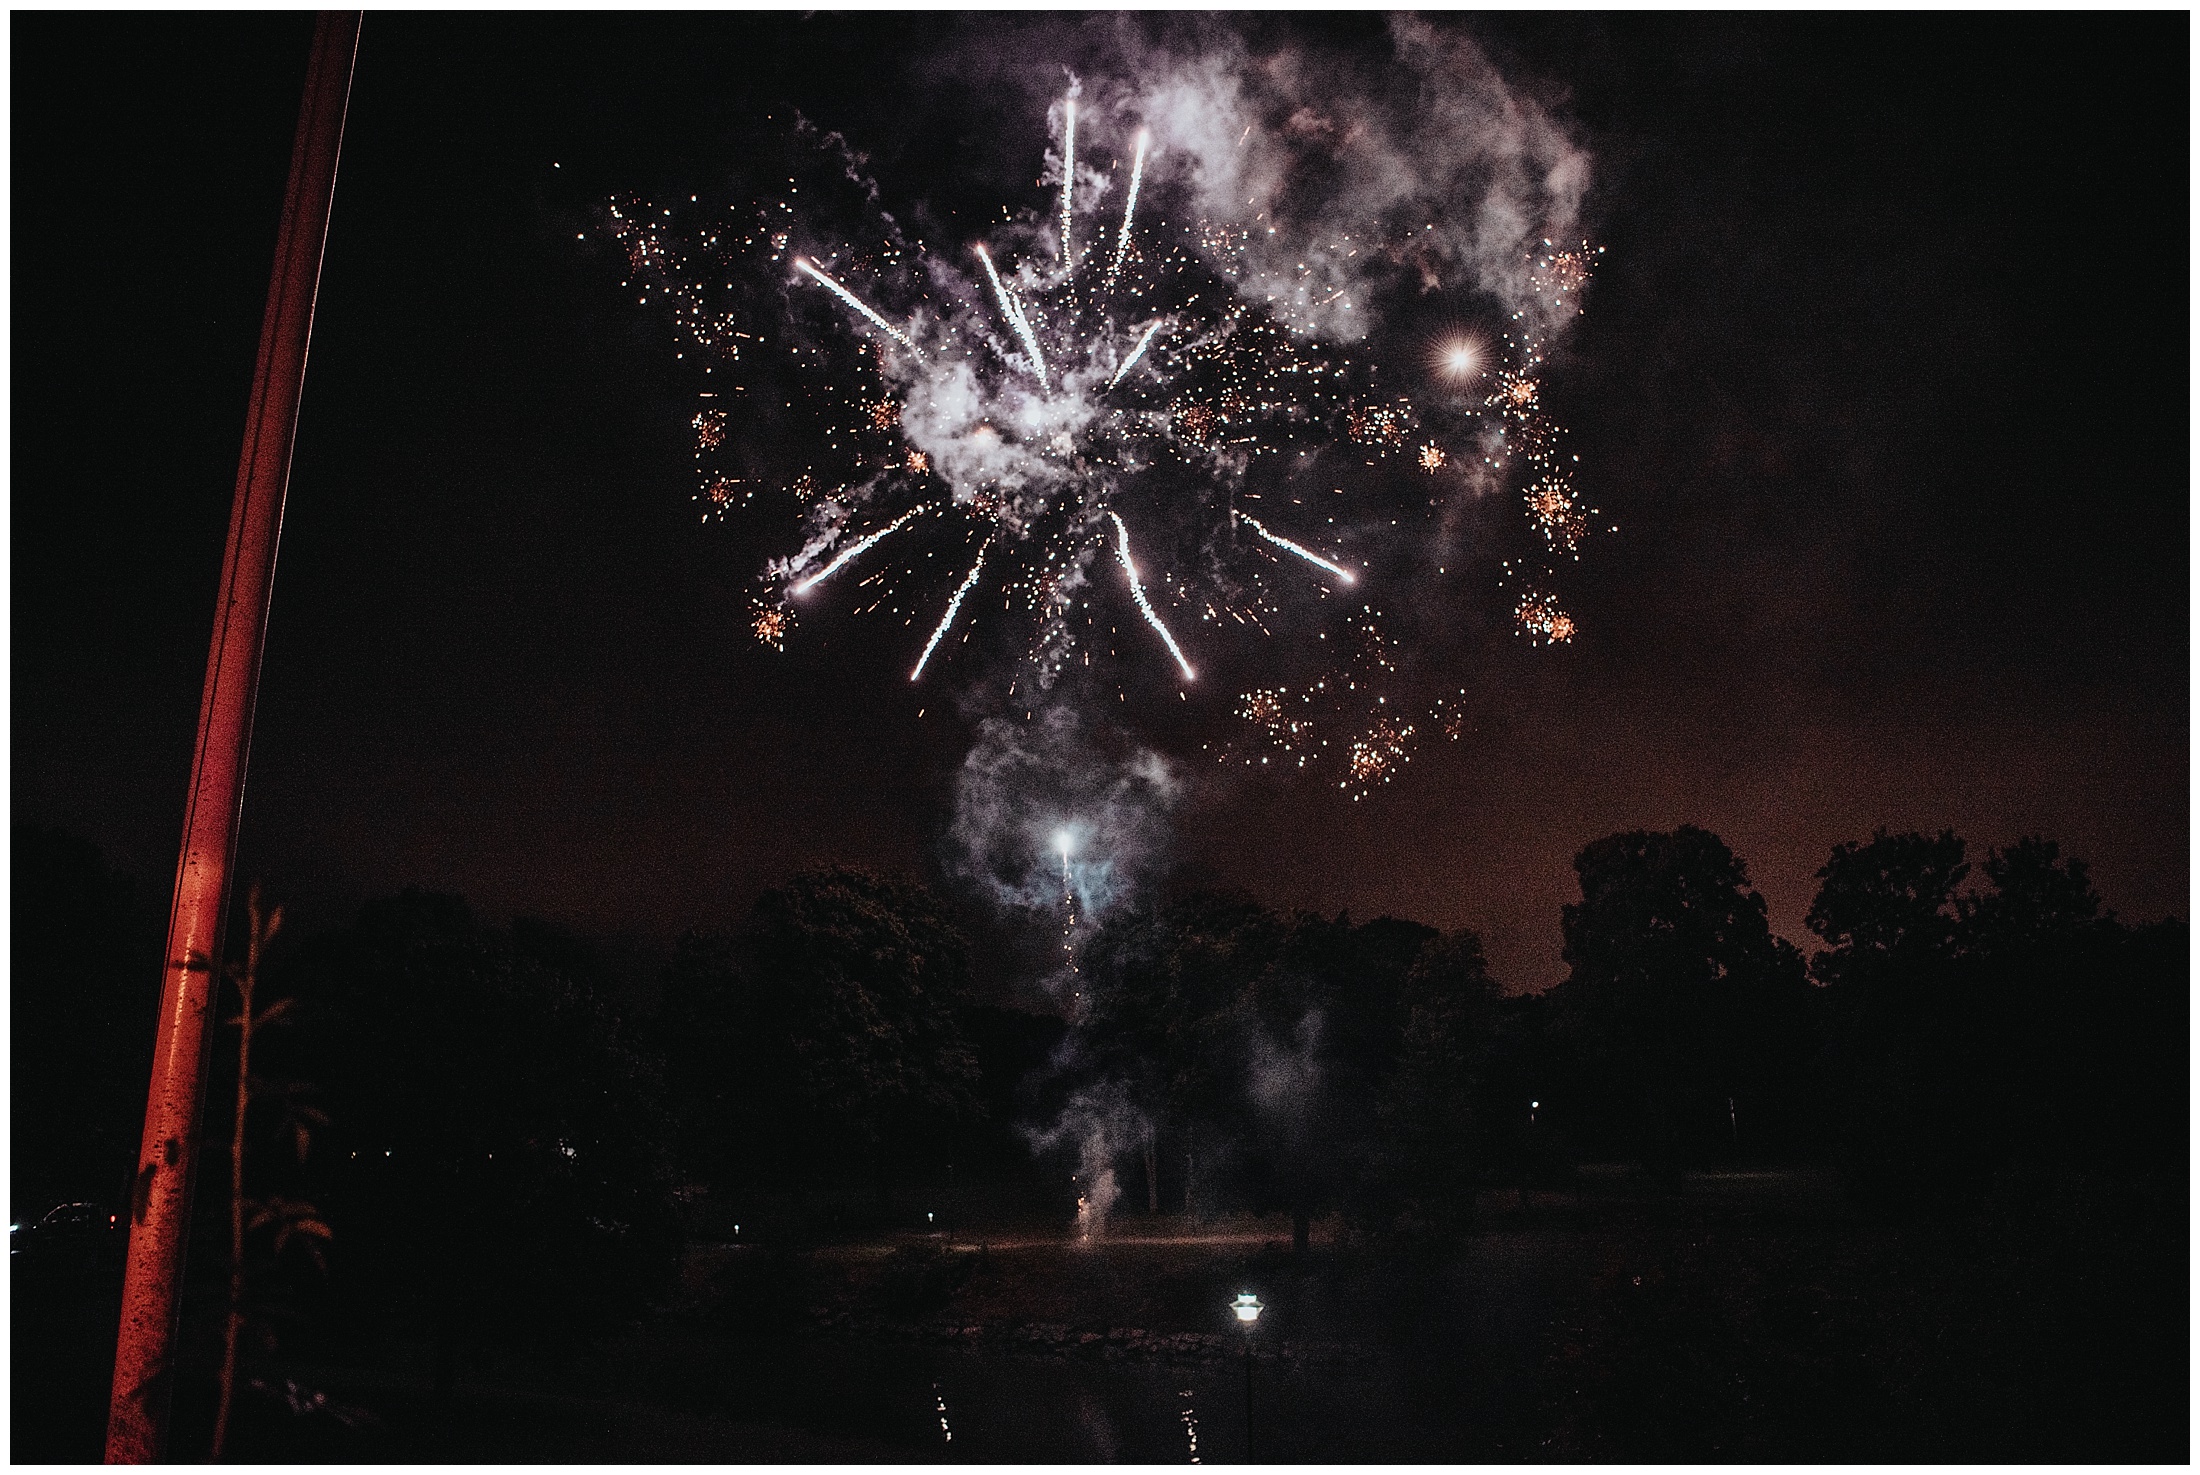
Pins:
x,y
1092,1415
1046,1410
995,1405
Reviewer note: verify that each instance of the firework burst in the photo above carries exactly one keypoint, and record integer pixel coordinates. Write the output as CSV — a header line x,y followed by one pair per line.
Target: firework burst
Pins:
x,y
1080,413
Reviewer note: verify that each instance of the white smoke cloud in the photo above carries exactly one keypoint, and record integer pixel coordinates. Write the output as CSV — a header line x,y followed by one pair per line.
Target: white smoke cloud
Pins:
x,y
1028,786
1341,178
1103,1125
1282,1079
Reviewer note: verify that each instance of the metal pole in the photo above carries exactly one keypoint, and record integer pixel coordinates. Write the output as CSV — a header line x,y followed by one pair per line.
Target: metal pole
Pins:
x,y
1248,1395
160,1203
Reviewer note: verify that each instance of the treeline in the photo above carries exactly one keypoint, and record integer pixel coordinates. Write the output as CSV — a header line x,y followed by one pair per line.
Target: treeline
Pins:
x,y
499,1129
1944,1039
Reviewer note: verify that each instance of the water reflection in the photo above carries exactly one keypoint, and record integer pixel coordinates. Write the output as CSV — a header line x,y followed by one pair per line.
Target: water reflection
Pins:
x,y
1099,1428
1009,1404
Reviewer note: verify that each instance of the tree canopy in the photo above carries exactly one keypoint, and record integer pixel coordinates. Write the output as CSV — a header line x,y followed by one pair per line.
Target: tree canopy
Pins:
x,y
496,1131
825,1024
1682,1010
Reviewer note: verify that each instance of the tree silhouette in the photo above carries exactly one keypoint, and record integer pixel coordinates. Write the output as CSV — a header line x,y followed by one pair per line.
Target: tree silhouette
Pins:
x,y
1892,899
1682,1011
1891,914
824,1029
2006,1029
1262,1048
495,1156
1331,1014
1433,1144
2039,903
1167,990
292,1220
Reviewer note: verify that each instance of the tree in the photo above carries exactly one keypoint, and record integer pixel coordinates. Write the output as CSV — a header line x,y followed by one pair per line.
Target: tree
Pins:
x,y
2010,1068
2040,904
1330,1013
1890,900
1433,1140
1891,915
2004,1030
826,1024
1682,1011
495,1154
1260,1047
1167,990
289,1219
2050,978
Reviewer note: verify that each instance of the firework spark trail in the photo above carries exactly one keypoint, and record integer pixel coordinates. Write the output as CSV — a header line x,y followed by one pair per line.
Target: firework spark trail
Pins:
x,y
861,306
855,548
969,580
1130,204
1069,172
1138,592
1290,547
1069,905
1135,353
1014,312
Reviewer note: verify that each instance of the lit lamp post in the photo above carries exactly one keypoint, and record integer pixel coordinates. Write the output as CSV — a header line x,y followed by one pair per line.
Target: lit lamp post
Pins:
x,y
1247,1309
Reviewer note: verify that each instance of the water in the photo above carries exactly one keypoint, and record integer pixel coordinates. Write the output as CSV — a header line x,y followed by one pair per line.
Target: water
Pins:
x,y
1001,1406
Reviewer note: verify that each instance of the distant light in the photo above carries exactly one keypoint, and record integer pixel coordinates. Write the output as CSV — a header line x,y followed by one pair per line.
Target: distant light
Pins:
x,y
1247,1307
1535,1105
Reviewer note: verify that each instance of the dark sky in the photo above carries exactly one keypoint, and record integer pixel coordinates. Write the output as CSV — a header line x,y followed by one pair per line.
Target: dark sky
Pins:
x,y
1883,381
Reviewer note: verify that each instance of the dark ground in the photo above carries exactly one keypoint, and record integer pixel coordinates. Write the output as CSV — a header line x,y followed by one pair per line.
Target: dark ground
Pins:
x,y
1731,1316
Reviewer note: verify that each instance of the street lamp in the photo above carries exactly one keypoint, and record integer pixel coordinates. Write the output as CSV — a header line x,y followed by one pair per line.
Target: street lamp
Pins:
x,y
1247,1309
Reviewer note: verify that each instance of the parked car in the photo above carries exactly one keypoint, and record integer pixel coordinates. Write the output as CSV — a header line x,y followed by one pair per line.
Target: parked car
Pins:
x,y
85,1229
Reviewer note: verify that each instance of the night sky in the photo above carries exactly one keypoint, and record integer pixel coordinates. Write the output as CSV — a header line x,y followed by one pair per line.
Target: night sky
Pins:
x,y
1883,380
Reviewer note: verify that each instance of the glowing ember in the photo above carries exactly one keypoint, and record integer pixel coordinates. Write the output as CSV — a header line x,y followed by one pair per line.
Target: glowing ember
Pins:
x,y
1538,617
771,623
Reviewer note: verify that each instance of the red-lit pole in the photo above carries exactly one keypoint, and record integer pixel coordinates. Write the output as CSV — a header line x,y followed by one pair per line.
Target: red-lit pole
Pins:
x,y
160,1205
